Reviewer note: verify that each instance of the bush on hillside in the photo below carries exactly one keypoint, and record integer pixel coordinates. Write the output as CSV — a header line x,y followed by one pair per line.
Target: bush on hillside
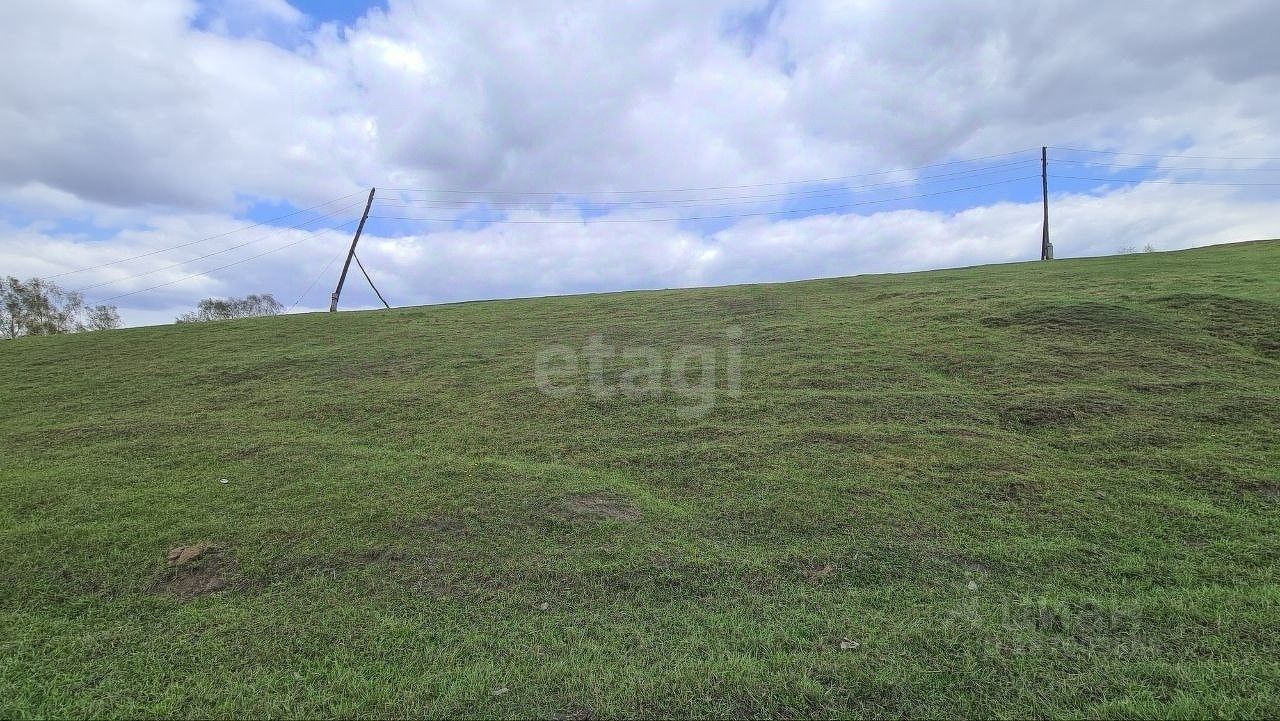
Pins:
x,y
250,306
39,307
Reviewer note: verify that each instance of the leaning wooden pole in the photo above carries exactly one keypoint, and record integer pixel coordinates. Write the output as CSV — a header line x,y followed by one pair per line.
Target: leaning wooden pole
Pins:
x,y
333,299
1046,250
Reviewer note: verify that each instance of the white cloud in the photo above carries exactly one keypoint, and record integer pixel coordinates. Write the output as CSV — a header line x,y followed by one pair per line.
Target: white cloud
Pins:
x,y
155,125
146,108
549,258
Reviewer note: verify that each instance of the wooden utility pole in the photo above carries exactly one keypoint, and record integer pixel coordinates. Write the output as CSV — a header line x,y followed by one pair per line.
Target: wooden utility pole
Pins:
x,y
1046,248
333,299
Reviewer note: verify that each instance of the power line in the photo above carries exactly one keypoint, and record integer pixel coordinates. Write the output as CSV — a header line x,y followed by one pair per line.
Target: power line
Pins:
x,y
316,279
201,240
737,199
277,231
427,202
1163,155
1165,182
1168,169
584,221
968,173
718,187
222,267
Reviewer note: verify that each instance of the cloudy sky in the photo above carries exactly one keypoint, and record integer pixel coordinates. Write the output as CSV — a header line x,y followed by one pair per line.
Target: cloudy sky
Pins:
x,y
161,151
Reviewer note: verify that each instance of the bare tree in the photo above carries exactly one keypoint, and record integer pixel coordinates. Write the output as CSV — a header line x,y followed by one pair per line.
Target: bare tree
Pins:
x,y
250,306
39,307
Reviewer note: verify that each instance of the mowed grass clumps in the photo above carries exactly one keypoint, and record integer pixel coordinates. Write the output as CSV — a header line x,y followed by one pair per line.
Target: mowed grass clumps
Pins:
x,y
1037,489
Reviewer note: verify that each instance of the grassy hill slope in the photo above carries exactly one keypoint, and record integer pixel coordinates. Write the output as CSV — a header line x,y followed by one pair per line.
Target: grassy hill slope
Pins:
x,y
1042,488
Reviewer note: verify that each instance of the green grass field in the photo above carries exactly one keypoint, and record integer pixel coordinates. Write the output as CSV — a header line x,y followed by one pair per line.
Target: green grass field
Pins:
x,y
1041,489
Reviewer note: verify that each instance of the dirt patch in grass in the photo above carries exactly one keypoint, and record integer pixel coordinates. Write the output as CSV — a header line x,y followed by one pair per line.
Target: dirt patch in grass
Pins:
x,y
1078,318
818,572
194,570
1054,410
598,507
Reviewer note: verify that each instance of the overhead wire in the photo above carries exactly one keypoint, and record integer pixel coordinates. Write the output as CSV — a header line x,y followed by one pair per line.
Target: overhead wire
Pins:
x,y
221,267
1137,181
271,234
843,206
202,240
801,181
1111,167
1163,155
733,199
1171,168
316,279
612,200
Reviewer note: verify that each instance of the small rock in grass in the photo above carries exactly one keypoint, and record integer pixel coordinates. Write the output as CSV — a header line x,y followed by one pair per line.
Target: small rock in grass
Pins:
x,y
500,691
848,644
543,606
186,554
973,585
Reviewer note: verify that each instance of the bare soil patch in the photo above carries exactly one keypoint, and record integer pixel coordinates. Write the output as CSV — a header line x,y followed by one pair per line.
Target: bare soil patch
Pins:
x,y
599,507
817,572
194,570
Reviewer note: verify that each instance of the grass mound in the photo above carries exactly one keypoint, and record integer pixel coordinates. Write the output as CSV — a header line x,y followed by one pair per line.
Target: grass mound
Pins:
x,y
1072,318
1251,322
1042,489
1053,408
